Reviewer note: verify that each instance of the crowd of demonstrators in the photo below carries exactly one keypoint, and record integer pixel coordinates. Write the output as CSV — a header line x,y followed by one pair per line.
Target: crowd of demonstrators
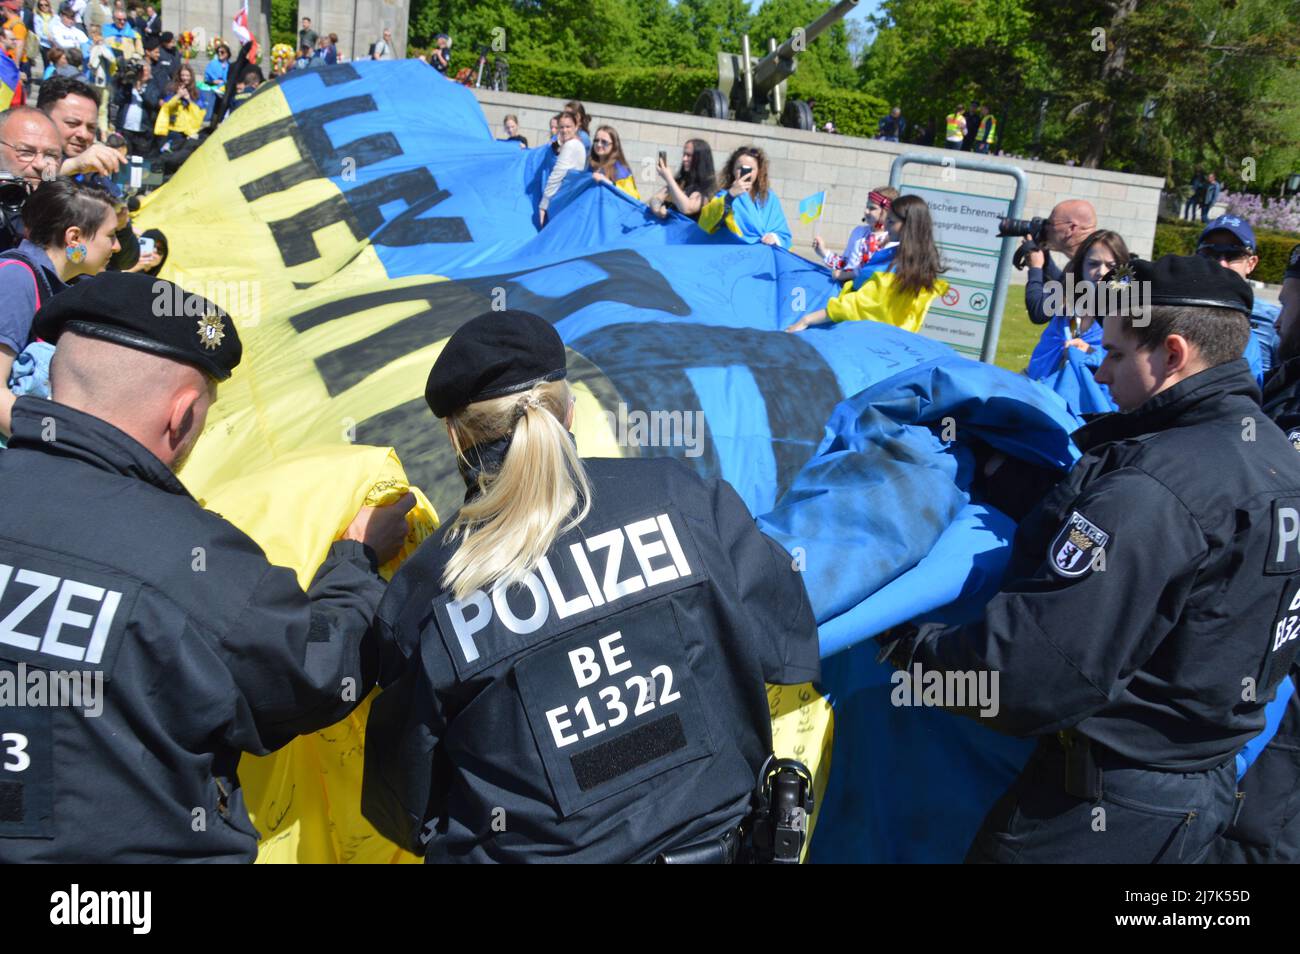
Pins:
x,y
864,241
693,184
897,284
608,164
1065,230
745,202
1097,256
71,231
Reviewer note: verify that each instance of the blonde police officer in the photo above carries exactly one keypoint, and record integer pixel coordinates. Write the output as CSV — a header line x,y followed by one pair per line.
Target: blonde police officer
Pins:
x,y
574,668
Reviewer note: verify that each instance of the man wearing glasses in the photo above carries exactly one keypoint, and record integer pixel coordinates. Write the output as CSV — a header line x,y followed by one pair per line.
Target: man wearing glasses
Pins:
x,y
1070,223
30,147
1230,241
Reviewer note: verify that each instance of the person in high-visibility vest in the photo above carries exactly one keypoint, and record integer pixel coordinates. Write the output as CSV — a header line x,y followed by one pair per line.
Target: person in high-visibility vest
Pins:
x,y
987,134
956,127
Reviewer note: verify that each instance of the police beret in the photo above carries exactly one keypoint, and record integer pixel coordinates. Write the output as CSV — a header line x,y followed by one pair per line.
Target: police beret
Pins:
x,y
1192,280
148,314
1293,264
495,354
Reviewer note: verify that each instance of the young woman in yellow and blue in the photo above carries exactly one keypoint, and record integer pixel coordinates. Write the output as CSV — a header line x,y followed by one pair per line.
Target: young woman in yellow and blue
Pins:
x,y
897,284
608,164
745,204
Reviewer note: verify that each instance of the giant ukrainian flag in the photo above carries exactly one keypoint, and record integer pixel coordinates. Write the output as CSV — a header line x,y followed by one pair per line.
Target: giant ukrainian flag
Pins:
x,y
351,218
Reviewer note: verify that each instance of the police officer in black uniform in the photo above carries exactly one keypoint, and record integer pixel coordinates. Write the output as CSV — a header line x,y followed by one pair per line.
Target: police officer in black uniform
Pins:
x,y
1153,596
112,575
574,667
1267,829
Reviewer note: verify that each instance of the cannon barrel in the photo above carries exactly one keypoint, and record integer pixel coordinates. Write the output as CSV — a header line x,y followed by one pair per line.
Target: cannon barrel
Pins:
x,y
780,63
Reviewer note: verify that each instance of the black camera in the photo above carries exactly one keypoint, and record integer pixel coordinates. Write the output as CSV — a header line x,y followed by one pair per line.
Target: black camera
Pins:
x,y
13,194
1035,228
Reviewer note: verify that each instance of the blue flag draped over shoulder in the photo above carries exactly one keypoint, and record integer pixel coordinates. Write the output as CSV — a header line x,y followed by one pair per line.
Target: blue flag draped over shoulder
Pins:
x,y
371,208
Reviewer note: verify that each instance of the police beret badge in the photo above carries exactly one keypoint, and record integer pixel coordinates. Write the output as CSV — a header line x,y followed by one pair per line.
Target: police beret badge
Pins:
x,y
1293,436
211,331
1077,546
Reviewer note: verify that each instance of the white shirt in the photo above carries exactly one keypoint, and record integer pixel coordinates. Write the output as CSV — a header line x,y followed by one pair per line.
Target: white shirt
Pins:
x,y
66,36
573,155
133,119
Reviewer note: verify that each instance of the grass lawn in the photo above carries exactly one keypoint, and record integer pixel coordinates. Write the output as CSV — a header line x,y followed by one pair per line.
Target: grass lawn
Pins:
x,y
1018,334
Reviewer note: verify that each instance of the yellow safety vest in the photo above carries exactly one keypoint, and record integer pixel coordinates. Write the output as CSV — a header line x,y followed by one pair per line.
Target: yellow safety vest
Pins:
x,y
954,129
988,131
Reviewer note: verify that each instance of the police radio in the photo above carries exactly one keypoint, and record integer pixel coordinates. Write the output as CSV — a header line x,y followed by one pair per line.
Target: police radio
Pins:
x,y
783,800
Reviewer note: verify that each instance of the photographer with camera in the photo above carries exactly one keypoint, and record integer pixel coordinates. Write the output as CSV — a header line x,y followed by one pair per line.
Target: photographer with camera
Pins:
x,y
1063,231
30,153
136,109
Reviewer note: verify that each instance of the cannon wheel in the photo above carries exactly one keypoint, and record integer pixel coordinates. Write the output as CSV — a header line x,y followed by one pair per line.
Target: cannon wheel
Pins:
x,y
797,115
711,103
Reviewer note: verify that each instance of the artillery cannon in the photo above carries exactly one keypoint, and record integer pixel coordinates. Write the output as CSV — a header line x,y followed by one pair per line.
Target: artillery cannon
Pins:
x,y
754,91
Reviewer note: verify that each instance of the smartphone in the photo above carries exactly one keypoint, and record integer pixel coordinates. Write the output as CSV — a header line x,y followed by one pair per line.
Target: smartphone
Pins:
x,y
744,171
663,157
146,247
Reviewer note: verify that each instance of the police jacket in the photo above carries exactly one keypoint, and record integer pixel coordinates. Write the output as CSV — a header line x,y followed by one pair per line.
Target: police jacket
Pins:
x,y
610,707
1153,597
203,650
1282,398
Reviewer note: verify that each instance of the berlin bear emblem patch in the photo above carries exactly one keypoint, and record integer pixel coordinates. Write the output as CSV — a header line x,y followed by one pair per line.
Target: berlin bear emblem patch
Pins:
x,y
1074,550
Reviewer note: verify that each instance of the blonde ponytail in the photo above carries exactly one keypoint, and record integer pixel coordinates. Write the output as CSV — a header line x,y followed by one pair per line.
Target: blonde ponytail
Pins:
x,y
540,491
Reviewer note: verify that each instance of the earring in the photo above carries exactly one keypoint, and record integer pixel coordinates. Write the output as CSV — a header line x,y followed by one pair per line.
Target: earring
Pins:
x,y
76,253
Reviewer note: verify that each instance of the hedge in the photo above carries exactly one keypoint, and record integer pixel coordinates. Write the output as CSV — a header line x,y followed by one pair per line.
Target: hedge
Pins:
x,y
1174,238
675,90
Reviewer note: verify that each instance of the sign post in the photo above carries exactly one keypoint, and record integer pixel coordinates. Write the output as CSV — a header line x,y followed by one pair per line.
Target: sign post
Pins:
x,y
969,316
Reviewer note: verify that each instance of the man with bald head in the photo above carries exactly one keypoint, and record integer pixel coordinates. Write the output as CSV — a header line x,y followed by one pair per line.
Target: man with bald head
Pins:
x,y
29,147
111,571
1070,223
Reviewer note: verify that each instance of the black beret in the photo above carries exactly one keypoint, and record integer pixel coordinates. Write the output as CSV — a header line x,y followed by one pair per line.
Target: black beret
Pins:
x,y
1293,264
148,314
1190,280
495,354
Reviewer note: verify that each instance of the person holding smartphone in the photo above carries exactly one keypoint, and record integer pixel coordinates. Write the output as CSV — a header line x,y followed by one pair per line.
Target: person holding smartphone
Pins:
x,y
745,203
181,115
694,183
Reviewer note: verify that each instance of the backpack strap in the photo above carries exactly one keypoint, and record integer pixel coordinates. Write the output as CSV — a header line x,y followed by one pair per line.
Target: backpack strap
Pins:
x,y
43,290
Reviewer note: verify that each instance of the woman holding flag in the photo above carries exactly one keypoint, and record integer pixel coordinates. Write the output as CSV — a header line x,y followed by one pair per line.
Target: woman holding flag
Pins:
x,y
745,204
898,284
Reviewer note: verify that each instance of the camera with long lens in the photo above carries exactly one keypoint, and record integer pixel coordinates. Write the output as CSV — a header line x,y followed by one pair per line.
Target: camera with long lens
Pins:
x,y
13,194
1035,228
